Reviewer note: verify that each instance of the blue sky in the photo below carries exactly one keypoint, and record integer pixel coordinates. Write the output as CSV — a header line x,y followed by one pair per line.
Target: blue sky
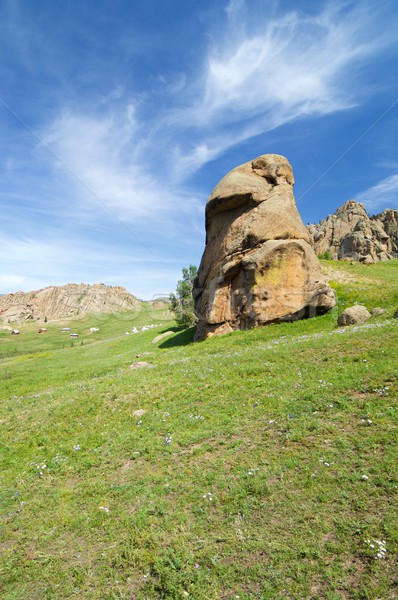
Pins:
x,y
119,117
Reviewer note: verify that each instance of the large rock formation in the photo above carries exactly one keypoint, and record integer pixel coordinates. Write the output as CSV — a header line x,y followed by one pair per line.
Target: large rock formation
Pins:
x,y
389,221
258,266
351,234
59,302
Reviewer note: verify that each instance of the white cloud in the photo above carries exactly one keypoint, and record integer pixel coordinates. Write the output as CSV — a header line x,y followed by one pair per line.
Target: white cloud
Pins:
x,y
97,154
292,62
112,165
126,150
112,168
266,70
383,194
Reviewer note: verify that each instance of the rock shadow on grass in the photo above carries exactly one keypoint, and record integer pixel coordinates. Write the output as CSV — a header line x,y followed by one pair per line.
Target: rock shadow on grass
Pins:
x,y
183,338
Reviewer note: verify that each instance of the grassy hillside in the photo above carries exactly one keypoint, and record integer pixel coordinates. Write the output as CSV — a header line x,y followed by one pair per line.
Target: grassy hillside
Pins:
x,y
260,464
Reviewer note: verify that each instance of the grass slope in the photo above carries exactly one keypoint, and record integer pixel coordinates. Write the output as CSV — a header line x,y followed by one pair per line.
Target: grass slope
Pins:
x,y
261,464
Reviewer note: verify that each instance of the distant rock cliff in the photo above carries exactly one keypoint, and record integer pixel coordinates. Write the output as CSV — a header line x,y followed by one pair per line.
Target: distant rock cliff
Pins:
x,y
65,301
351,234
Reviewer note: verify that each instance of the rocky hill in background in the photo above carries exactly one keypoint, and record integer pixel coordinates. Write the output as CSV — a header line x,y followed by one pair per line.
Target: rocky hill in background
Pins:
x,y
389,220
350,233
59,302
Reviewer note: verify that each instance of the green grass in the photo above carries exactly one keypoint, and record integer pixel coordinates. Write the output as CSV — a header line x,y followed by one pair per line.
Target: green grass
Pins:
x,y
372,285
261,464
109,325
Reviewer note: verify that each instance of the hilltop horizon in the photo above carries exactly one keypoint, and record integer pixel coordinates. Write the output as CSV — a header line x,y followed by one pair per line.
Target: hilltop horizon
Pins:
x,y
161,296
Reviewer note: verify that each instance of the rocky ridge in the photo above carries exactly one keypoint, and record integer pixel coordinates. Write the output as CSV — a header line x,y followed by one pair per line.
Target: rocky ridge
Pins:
x,y
351,234
389,220
60,302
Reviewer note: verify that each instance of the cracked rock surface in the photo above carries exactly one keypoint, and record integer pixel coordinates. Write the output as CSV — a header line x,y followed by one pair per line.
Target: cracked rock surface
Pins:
x,y
258,265
350,234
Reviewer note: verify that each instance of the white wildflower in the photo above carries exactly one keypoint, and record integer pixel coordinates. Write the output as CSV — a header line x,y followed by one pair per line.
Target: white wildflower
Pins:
x,y
379,546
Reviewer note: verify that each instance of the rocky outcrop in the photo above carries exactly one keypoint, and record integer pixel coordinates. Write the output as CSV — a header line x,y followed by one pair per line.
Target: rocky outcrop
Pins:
x,y
59,302
351,234
389,220
258,266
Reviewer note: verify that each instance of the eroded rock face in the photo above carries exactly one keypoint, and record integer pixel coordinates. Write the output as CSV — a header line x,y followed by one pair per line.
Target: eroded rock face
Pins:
x,y
258,265
351,234
389,221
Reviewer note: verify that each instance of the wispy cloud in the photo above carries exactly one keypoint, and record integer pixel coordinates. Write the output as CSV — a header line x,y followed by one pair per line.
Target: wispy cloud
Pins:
x,y
383,194
104,179
263,73
122,117
258,74
104,157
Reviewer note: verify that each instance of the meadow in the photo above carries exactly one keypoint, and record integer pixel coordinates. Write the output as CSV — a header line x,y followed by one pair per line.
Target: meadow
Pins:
x,y
257,465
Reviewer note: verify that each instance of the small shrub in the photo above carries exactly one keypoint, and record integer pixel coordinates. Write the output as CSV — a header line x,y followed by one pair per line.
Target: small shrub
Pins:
x,y
182,303
325,255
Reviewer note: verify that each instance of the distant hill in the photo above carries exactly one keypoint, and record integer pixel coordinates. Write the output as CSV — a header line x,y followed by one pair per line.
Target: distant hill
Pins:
x,y
59,302
350,233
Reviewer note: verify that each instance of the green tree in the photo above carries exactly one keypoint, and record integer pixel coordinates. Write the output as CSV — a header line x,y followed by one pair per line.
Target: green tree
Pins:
x,y
182,303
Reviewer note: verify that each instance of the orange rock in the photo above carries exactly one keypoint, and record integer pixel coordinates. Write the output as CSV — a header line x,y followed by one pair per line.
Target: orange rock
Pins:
x,y
258,265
